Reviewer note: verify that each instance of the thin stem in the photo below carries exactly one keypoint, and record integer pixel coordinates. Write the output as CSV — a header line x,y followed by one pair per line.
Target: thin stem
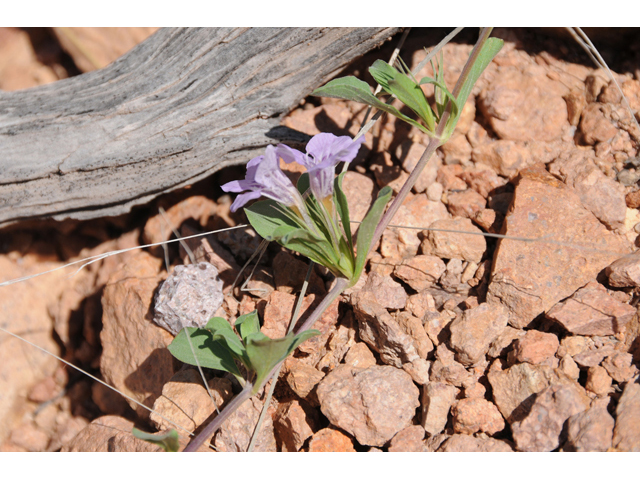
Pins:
x,y
210,429
434,142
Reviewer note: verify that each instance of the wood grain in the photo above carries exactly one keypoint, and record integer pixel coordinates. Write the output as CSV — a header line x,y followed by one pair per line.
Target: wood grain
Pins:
x,y
175,109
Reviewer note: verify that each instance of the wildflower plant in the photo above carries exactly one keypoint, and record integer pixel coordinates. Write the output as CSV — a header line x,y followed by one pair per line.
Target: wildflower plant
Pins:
x,y
312,217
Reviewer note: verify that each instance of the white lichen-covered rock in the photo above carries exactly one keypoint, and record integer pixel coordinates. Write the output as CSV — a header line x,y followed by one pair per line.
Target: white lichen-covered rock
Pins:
x,y
189,297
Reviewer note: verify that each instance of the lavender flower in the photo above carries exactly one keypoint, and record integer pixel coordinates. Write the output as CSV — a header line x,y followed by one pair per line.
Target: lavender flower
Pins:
x,y
264,178
324,152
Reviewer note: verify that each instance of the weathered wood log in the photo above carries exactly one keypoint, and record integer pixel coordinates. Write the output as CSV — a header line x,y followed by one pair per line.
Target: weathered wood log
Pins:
x,y
177,108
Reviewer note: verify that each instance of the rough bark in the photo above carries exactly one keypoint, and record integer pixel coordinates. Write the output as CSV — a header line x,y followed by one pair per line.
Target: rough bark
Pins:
x,y
175,109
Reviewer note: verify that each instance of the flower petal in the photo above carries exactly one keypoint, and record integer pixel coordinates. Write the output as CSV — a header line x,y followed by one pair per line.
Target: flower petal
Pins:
x,y
243,198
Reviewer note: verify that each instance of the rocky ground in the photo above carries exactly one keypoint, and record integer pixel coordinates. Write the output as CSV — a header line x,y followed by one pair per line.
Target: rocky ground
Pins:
x,y
450,342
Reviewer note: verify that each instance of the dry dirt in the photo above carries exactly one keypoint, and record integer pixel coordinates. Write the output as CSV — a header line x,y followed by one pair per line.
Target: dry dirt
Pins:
x,y
451,341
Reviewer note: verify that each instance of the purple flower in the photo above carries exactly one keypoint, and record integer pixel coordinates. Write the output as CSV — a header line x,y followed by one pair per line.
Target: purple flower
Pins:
x,y
264,178
324,152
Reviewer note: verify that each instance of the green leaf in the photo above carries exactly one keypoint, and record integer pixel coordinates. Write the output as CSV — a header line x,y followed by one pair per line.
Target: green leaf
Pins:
x,y
273,225
489,50
405,90
222,331
443,88
340,200
211,352
265,353
367,229
351,88
168,440
248,324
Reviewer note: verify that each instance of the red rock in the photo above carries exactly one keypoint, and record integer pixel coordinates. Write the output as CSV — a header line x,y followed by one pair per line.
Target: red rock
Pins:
x,y
29,437
465,204
134,358
468,443
576,101
568,366
301,377
419,370
594,126
185,401
109,434
416,211
448,177
360,356
591,430
598,381
592,357
500,345
632,199
361,191
371,404
294,423
331,440
445,244
473,332
437,399
413,326
420,272
625,272
525,105
473,415
504,156
445,369
601,195
435,191
482,180
235,433
411,439
382,332
409,154
421,303
618,366
531,277
387,292
626,435
197,207
513,388
457,149
535,347
592,311
540,430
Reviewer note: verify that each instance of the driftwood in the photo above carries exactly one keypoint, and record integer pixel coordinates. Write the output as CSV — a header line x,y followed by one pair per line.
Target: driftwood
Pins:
x,y
180,106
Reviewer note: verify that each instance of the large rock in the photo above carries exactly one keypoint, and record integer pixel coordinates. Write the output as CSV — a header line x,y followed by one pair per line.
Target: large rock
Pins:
x,y
444,241
525,105
372,404
437,399
530,277
625,272
383,333
134,358
592,311
603,196
540,430
468,443
515,387
591,430
473,332
24,311
626,435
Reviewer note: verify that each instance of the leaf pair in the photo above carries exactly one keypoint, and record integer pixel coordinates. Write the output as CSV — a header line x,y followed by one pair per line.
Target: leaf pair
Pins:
x,y
217,346
405,88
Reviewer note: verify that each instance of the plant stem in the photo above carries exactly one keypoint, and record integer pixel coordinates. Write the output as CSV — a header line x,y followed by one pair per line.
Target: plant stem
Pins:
x,y
210,429
434,142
